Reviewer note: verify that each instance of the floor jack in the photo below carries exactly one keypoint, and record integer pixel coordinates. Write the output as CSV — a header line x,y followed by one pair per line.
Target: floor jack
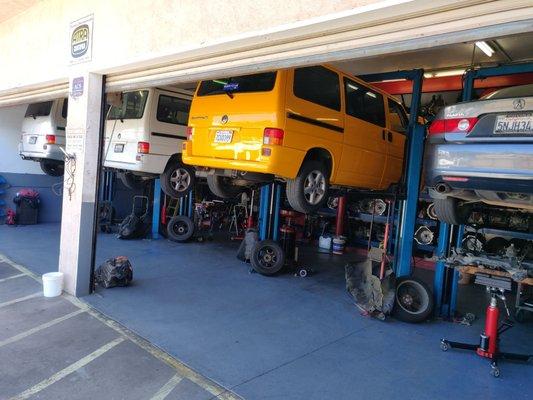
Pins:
x,y
488,346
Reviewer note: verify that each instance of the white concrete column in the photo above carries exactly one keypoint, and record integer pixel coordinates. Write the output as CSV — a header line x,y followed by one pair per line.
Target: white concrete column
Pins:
x,y
79,190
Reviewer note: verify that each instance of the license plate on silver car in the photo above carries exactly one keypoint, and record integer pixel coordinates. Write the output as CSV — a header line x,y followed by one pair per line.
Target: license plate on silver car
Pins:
x,y
223,136
514,124
32,140
119,148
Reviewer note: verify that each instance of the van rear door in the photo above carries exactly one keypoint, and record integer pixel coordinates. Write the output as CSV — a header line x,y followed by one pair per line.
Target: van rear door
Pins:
x,y
36,125
229,115
126,126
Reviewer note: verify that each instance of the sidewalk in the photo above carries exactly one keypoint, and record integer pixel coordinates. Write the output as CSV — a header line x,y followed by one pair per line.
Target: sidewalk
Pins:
x,y
60,348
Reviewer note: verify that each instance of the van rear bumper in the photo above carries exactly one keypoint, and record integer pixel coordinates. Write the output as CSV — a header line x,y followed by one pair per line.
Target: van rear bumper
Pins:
x,y
147,163
283,162
52,152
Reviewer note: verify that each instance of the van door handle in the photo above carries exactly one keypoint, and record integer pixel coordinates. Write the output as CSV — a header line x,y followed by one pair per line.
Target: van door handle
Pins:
x,y
389,135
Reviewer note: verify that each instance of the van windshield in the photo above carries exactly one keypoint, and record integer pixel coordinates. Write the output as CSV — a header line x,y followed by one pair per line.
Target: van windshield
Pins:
x,y
263,82
39,109
132,106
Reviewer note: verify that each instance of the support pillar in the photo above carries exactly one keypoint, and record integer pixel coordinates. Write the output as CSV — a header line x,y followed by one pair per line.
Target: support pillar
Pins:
x,y
80,182
341,212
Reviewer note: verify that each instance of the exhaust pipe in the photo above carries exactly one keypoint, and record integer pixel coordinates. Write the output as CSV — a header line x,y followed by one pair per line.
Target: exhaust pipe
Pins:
x,y
442,188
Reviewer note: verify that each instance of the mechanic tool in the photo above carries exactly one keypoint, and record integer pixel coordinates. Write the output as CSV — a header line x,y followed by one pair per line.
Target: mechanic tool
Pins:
x,y
488,346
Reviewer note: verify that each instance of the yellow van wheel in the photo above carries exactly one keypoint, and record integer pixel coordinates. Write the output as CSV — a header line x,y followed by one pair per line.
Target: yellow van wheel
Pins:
x,y
178,179
309,190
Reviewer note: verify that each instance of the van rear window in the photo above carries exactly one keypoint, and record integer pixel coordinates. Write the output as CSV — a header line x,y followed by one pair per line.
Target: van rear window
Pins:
x,y
132,106
263,82
39,109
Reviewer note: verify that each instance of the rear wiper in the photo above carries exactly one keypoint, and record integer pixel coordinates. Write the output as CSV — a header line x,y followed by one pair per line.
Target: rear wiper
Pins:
x,y
33,116
229,88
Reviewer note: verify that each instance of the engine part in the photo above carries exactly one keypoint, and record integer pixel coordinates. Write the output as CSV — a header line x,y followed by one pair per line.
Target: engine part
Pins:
x,y
424,235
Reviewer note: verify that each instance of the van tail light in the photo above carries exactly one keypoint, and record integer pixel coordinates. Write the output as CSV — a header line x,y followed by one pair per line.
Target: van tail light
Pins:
x,y
50,139
453,125
273,136
143,147
189,132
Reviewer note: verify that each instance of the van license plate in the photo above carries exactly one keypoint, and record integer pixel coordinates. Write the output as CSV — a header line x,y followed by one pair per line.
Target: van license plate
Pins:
x,y
119,148
223,136
32,140
514,124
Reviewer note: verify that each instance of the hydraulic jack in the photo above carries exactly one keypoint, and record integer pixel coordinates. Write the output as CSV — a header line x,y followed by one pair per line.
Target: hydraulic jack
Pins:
x,y
488,346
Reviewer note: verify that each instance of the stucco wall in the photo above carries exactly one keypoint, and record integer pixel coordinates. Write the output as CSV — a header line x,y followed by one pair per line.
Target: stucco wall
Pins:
x,y
130,31
10,127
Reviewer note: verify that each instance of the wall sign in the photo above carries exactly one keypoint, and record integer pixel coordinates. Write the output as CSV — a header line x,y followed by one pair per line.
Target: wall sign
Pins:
x,y
77,87
81,40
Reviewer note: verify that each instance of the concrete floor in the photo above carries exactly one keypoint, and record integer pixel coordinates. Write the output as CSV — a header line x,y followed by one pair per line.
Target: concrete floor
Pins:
x,y
281,337
58,348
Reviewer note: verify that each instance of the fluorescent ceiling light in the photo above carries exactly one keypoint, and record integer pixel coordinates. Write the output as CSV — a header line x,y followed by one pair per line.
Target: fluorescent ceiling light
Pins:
x,y
485,48
440,74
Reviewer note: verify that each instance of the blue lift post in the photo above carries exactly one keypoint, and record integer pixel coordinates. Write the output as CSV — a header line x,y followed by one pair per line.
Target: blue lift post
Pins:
x,y
156,209
446,294
415,152
269,208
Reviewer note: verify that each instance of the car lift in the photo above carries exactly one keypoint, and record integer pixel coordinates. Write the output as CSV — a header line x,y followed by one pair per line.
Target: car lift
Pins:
x,y
446,279
270,195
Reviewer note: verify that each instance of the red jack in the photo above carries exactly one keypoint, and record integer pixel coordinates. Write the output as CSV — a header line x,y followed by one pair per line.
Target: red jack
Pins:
x,y
489,339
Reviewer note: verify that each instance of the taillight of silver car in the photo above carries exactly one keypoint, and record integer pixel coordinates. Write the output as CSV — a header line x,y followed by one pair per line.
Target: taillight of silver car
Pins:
x,y
452,125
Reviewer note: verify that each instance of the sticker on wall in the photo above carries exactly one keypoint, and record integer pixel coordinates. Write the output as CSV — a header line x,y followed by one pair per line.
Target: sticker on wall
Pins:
x,y
80,40
77,87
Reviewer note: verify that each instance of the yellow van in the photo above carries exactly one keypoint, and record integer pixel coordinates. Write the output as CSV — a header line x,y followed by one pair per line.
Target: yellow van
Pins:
x,y
312,127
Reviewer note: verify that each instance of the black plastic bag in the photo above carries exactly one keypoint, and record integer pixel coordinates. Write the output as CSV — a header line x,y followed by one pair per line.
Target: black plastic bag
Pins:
x,y
114,272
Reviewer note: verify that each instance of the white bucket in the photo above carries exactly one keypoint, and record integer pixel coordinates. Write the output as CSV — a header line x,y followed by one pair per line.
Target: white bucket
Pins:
x,y
324,242
339,243
52,284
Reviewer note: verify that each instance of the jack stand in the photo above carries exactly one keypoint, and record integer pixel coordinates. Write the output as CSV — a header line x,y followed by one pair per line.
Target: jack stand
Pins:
x,y
489,340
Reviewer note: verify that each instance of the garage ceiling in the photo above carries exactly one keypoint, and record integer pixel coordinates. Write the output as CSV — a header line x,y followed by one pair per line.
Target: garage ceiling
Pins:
x,y
10,8
518,48
509,49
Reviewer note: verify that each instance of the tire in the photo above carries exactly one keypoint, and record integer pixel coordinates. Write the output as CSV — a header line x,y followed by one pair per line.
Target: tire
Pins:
x,y
496,245
131,181
450,211
180,228
267,257
313,176
222,187
178,179
413,300
52,168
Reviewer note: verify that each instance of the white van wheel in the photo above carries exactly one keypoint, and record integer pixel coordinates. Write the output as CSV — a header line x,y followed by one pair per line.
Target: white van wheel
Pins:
x,y
53,168
178,179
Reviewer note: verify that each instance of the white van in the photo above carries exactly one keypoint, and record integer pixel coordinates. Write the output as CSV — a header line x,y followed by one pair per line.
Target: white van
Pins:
x,y
43,134
143,139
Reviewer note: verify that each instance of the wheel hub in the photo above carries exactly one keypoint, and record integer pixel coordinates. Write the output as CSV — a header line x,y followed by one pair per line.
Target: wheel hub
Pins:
x,y
407,299
314,187
180,179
